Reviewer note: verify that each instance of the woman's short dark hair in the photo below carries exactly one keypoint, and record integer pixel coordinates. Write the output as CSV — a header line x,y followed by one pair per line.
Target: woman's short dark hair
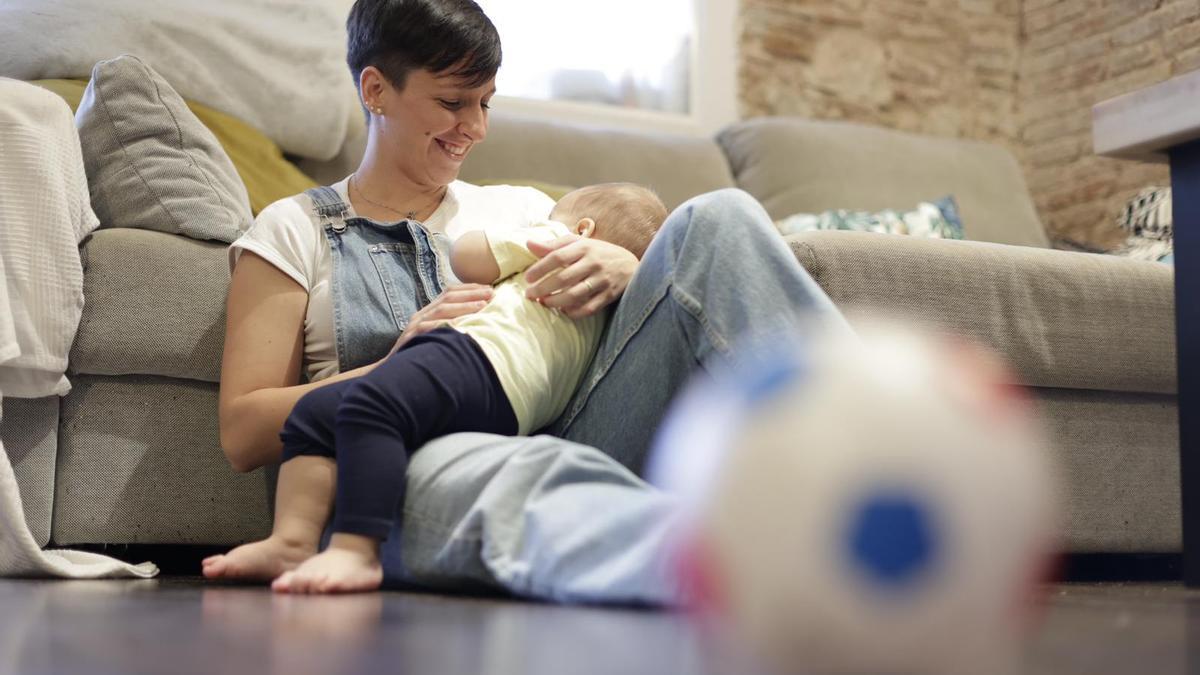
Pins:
x,y
452,37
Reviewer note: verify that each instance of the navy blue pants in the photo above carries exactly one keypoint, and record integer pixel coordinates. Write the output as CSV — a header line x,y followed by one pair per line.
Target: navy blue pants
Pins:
x,y
439,383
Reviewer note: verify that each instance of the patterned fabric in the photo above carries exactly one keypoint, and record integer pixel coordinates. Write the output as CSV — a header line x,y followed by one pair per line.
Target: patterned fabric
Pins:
x,y
1147,220
935,220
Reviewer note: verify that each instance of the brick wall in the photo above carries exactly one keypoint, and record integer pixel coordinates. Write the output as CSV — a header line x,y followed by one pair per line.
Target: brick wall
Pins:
x,y
1076,53
1024,73
945,67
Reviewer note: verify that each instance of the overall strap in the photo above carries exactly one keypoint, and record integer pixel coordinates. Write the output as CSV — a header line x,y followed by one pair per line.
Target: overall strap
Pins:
x,y
329,206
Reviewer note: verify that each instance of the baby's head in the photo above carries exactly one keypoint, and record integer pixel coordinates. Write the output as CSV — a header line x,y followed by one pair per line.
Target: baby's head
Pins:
x,y
624,214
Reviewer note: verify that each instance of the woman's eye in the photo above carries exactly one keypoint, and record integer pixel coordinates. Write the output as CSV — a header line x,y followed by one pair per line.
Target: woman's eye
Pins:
x,y
452,105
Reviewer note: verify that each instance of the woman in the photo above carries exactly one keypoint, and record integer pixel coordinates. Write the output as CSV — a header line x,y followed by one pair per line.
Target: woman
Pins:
x,y
322,281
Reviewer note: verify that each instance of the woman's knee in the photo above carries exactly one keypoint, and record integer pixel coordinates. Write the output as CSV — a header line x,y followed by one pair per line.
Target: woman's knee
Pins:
x,y
729,213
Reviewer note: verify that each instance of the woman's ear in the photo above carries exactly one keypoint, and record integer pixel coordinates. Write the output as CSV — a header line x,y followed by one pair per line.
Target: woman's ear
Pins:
x,y
586,227
372,84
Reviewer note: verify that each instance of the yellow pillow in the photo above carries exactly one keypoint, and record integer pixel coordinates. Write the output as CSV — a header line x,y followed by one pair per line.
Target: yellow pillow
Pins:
x,y
259,161
552,190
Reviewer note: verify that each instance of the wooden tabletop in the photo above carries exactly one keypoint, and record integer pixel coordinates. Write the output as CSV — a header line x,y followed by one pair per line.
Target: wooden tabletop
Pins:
x,y
1143,124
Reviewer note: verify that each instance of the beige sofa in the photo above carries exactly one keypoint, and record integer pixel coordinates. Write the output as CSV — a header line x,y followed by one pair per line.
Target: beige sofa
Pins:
x,y
131,455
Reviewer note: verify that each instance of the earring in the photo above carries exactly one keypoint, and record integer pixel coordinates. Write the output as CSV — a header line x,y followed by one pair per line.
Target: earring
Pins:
x,y
378,110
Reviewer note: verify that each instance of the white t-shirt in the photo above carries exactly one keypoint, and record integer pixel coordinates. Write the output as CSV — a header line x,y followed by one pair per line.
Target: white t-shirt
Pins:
x,y
288,235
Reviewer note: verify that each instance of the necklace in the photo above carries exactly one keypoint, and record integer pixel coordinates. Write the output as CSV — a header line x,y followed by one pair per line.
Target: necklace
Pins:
x,y
410,215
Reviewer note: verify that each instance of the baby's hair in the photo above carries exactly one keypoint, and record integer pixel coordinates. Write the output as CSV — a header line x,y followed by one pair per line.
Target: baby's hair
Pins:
x,y
626,214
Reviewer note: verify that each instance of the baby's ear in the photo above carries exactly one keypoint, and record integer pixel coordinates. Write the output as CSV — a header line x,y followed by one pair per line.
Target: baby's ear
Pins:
x,y
586,227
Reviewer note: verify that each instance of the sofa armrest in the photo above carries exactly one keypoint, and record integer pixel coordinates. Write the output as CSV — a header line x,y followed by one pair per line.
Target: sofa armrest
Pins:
x,y
1061,319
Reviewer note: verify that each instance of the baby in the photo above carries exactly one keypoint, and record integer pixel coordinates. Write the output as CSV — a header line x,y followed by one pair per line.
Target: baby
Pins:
x,y
507,369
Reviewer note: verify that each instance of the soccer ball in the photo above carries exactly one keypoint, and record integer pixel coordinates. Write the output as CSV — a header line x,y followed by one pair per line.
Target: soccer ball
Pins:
x,y
877,503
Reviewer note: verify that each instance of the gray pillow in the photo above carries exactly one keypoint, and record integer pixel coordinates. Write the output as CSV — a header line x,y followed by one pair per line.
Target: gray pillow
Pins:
x,y
150,163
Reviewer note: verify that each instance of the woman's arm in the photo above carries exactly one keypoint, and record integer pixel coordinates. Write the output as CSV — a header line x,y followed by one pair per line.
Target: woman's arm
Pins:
x,y
260,369
264,350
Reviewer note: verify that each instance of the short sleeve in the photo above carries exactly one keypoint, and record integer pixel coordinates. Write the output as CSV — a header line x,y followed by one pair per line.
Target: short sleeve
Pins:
x,y
283,234
511,248
538,205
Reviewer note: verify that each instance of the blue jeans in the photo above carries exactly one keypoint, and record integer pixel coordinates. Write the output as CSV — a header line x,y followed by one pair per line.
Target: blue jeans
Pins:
x,y
568,518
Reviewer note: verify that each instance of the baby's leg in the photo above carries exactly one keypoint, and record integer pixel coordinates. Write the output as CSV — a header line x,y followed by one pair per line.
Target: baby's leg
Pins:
x,y
303,498
440,383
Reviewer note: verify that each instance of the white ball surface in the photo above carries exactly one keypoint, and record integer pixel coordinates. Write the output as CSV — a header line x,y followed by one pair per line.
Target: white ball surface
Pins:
x,y
881,504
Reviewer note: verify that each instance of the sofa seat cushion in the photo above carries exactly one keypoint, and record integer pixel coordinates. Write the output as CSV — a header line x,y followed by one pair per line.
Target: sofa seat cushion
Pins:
x,y
794,165
140,462
1117,459
154,304
1062,319
29,435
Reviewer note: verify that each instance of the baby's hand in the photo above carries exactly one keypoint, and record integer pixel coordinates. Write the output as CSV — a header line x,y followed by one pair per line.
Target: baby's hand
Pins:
x,y
454,302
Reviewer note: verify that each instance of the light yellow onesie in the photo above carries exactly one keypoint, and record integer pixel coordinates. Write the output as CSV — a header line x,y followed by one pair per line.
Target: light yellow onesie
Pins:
x,y
539,354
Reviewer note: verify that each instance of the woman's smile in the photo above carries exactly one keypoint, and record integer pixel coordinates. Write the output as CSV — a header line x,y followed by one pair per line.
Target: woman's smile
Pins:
x,y
455,151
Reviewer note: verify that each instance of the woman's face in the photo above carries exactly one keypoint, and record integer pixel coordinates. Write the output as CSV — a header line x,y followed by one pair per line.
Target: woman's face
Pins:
x,y
428,128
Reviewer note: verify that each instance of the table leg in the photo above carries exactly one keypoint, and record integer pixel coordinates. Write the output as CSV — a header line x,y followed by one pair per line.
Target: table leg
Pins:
x,y
1185,178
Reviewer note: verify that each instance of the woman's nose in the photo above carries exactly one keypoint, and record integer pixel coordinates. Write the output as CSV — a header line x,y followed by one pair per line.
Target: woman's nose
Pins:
x,y
474,123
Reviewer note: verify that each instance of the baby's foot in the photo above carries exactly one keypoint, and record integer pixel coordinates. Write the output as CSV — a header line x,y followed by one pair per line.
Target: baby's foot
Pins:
x,y
334,570
258,561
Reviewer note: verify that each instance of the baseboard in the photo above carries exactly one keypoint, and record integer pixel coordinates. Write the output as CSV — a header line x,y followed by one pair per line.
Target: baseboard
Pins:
x,y
1081,567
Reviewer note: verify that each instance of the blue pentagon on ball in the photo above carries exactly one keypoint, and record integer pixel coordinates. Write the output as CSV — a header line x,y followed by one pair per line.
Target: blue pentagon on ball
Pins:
x,y
892,539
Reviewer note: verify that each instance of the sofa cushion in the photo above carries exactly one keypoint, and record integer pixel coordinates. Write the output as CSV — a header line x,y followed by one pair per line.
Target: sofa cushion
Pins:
x,y
140,462
795,165
29,432
1062,319
267,175
154,304
150,163
1117,455
937,219
677,167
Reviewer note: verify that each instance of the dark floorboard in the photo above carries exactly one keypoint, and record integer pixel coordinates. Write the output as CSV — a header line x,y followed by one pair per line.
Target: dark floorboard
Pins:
x,y
185,625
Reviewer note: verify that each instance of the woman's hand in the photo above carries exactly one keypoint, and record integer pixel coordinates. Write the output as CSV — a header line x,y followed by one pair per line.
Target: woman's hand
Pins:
x,y
454,302
579,276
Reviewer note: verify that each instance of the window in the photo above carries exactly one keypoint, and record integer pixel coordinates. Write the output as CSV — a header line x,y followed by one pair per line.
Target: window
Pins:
x,y
593,52
642,63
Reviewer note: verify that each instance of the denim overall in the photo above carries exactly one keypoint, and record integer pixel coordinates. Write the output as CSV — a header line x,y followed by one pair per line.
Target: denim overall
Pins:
x,y
382,274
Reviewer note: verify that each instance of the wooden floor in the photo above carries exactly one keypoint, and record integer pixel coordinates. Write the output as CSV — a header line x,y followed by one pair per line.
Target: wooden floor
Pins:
x,y
184,625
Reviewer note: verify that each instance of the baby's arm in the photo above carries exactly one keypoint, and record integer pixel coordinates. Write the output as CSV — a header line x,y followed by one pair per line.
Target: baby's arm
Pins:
x,y
472,260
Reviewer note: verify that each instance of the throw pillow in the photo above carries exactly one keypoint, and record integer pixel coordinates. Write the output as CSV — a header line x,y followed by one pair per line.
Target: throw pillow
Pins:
x,y
938,220
150,163
267,175
1149,224
552,190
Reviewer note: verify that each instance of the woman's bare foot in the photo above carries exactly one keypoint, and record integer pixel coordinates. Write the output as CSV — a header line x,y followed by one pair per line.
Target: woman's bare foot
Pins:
x,y
349,565
259,561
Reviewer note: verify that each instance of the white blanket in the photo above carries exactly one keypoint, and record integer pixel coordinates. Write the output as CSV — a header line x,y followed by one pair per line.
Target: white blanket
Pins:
x,y
278,66
21,557
44,214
